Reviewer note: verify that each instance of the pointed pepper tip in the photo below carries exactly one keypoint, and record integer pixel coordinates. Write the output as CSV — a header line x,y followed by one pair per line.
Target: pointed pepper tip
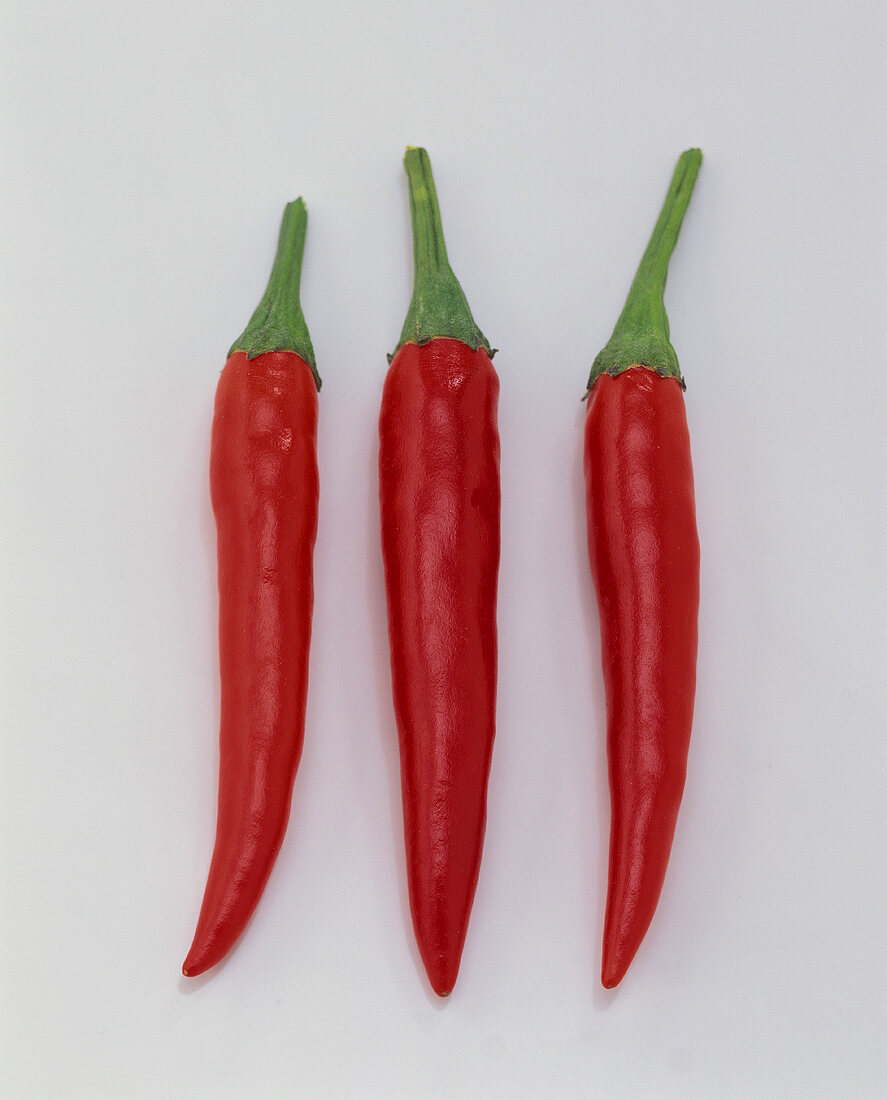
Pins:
x,y
197,963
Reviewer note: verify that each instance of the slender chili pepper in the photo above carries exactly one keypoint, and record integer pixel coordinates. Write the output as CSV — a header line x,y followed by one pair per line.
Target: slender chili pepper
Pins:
x,y
439,494
644,554
264,485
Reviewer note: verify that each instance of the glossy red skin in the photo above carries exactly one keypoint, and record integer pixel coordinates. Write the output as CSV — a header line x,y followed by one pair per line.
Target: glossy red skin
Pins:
x,y
644,554
439,493
264,485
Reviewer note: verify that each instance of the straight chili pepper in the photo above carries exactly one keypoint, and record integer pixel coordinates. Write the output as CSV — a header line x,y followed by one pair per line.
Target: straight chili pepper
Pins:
x,y
439,494
264,487
644,554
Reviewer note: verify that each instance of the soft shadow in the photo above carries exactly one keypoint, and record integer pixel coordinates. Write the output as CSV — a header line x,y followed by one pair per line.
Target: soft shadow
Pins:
x,y
187,986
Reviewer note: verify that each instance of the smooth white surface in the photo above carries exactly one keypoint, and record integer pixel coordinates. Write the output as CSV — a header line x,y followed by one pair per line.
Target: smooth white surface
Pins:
x,y
148,152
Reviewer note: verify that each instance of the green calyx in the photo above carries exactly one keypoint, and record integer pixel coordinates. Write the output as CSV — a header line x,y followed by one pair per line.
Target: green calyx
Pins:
x,y
278,323
438,307
641,336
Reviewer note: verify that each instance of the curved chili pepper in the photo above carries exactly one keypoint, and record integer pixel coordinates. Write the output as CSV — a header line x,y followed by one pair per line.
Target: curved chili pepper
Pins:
x,y
439,494
264,484
644,554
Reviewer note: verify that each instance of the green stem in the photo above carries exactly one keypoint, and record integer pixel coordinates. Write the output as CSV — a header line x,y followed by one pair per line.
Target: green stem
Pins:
x,y
278,323
641,336
438,306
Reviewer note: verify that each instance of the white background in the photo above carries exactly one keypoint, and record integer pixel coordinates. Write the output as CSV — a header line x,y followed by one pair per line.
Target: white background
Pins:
x,y
148,153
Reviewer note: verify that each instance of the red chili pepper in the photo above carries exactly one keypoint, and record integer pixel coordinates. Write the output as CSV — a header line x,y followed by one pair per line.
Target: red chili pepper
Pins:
x,y
439,493
263,478
644,554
